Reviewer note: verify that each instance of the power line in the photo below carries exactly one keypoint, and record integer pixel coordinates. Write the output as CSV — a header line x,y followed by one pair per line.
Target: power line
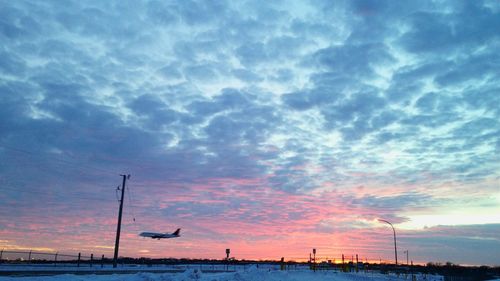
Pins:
x,y
53,170
62,196
129,194
79,165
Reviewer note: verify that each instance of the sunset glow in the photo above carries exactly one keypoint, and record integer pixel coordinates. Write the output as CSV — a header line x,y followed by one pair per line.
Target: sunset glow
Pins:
x,y
267,127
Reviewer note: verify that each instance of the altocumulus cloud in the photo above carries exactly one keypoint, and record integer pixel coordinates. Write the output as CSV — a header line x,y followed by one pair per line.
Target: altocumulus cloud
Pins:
x,y
376,107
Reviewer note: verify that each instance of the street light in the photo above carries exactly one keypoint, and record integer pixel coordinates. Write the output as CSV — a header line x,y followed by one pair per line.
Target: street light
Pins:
x,y
407,260
394,231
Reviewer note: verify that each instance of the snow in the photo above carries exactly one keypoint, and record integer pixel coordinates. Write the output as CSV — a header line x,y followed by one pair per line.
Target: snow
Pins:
x,y
250,273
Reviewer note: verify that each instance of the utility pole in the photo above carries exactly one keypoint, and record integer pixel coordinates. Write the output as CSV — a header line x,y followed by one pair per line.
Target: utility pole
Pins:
x,y
119,226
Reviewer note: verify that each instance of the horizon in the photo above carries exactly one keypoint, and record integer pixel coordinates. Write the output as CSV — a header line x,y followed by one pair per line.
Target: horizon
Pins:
x,y
43,257
267,128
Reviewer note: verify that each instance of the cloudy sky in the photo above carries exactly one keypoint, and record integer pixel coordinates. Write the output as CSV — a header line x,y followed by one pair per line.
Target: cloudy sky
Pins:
x,y
267,127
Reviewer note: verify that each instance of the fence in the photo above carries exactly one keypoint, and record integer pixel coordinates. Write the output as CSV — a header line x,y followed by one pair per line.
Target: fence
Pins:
x,y
17,259
34,257
318,263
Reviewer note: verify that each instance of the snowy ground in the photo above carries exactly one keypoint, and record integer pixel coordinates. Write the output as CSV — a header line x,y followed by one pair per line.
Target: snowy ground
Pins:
x,y
251,273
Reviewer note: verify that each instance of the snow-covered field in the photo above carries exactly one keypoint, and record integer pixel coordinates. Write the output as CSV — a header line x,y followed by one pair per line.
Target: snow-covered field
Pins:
x,y
252,273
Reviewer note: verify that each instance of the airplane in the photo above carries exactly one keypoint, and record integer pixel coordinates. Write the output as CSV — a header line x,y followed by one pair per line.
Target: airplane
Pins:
x,y
159,236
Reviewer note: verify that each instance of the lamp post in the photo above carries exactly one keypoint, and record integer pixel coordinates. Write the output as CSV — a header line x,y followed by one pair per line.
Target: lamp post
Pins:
x,y
407,260
394,231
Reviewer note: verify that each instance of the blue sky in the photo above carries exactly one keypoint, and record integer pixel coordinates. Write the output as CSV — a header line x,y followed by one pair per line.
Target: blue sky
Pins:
x,y
255,124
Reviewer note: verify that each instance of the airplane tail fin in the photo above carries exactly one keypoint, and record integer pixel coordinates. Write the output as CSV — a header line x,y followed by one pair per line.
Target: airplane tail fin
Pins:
x,y
177,232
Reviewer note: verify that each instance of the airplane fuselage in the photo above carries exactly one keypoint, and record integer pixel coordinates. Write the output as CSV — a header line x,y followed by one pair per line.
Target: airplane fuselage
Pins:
x,y
156,235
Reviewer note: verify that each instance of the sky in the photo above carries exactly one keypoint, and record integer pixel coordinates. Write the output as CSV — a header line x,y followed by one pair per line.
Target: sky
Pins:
x,y
267,127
